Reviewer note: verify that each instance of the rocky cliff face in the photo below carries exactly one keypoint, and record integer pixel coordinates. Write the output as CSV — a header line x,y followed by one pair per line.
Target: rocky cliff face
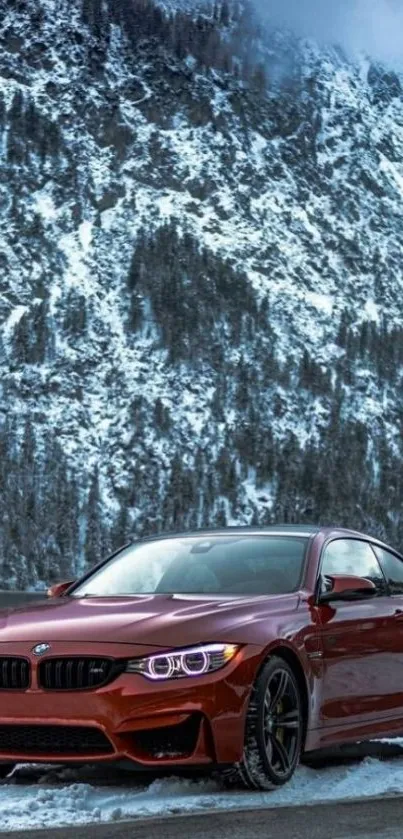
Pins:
x,y
200,280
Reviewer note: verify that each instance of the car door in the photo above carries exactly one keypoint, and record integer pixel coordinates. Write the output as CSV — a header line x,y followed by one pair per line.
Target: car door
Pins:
x,y
392,567
355,641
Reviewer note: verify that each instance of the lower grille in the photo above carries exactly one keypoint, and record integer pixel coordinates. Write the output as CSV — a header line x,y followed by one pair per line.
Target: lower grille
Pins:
x,y
174,741
14,674
53,740
77,673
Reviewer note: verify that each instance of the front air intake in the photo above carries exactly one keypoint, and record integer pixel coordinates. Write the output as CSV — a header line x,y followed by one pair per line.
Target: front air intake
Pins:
x,y
53,741
174,741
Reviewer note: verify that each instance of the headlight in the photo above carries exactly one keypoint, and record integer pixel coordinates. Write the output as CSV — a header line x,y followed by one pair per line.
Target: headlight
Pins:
x,y
195,661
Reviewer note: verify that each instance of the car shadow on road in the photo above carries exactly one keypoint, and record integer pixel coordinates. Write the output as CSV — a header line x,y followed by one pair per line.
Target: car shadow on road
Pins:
x,y
94,774
112,776
355,753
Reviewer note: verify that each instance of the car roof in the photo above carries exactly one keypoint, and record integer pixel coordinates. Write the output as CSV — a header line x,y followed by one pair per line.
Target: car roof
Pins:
x,y
275,530
302,530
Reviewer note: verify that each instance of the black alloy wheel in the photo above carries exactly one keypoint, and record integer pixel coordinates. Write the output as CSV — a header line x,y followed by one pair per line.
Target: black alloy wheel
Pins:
x,y
274,730
6,769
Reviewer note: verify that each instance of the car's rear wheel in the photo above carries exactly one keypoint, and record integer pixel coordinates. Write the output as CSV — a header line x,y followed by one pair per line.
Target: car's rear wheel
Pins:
x,y
6,769
274,730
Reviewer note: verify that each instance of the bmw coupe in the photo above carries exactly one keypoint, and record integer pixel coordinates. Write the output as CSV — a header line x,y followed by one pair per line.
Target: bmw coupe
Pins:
x,y
236,650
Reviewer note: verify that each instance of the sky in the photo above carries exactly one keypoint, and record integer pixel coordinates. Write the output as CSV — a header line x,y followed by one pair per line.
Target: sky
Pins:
x,y
371,26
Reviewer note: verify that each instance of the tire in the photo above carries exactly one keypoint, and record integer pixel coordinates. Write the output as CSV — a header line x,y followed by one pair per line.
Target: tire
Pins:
x,y
6,769
271,751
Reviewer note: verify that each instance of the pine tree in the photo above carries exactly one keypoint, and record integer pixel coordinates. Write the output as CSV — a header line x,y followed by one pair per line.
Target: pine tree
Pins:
x,y
22,341
224,13
93,533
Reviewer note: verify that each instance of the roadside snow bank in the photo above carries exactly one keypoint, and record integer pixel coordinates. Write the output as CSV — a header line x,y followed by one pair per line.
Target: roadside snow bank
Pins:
x,y
49,801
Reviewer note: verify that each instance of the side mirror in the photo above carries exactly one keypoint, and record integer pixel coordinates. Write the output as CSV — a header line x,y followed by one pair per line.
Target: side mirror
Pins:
x,y
59,589
340,587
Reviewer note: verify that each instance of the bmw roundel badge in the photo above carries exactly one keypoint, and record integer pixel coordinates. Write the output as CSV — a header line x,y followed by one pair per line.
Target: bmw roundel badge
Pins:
x,y
41,649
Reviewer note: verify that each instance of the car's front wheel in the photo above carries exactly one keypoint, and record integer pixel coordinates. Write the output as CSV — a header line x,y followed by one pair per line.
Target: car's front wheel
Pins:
x,y
274,729
6,769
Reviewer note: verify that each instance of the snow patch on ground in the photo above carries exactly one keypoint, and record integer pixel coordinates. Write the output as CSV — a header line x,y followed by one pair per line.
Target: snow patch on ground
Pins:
x,y
85,234
13,320
371,311
56,798
321,302
45,205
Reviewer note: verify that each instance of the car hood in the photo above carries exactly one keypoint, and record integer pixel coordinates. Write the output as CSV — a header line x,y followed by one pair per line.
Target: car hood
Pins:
x,y
155,620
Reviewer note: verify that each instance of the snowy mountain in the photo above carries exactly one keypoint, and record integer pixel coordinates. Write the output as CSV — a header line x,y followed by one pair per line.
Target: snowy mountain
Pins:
x,y
200,279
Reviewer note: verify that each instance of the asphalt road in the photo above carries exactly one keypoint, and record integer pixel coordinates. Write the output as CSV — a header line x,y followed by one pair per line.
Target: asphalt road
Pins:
x,y
370,819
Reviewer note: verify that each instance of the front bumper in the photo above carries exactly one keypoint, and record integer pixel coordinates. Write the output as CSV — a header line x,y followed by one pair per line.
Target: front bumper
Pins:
x,y
189,722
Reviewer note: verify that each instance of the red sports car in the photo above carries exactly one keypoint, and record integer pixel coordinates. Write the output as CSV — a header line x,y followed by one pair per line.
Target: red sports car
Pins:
x,y
236,650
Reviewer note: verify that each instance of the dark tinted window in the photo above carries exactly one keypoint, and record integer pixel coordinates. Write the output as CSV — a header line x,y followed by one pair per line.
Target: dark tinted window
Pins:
x,y
355,558
392,568
211,565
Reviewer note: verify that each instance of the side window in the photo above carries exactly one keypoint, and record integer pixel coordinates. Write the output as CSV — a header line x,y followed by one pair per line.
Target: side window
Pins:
x,y
392,568
353,558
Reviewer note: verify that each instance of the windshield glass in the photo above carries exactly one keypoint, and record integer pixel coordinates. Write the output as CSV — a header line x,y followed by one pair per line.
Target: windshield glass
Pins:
x,y
196,565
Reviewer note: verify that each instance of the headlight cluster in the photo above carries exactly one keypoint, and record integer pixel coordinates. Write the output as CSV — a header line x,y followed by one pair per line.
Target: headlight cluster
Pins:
x,y
196,661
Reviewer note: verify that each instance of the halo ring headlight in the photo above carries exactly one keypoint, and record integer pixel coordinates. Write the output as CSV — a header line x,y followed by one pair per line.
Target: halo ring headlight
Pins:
x,y
161,667
178,664
195,663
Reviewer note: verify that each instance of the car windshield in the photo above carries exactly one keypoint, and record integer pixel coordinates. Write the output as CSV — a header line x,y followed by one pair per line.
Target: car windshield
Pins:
x,y
215,565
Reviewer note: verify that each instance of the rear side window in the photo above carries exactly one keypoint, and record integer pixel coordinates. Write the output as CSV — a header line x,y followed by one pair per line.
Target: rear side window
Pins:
x,y
392,568
351,557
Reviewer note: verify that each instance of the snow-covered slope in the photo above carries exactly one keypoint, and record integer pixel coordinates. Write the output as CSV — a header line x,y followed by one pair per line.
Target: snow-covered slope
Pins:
x,y
200,279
